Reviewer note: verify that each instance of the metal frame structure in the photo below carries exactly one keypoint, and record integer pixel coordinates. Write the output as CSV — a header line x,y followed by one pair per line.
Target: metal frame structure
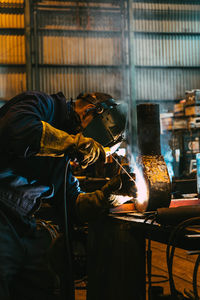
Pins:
x,y
162,54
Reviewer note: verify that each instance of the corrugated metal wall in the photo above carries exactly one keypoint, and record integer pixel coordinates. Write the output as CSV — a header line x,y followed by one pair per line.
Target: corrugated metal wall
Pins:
x,y
79,48
12,48
167,49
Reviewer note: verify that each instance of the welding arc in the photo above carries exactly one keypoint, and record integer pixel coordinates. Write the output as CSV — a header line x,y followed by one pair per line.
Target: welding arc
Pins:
x,y
123,168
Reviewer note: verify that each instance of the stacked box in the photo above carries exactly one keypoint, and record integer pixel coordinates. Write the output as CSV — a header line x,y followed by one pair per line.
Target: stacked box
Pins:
x,y
166,121
179,109
193,122
192,97
192,110
180,123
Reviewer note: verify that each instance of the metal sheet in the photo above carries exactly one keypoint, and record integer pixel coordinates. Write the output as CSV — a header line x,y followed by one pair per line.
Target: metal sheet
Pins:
x,y
167,17
165,84
12,82
79,49
12,49
11,20
73,81
167,50
166,44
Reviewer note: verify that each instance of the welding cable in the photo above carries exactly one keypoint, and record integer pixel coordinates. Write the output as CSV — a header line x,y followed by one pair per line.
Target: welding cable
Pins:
x,y
170,252
67,239
171,249
149,258
194,282
150,217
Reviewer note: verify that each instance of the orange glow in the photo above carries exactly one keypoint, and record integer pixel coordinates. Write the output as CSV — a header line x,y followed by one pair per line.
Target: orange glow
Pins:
x,y
119,199
141,185
142,189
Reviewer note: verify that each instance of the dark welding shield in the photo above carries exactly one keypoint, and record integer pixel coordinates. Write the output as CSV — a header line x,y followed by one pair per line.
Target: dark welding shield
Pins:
x,y
108,124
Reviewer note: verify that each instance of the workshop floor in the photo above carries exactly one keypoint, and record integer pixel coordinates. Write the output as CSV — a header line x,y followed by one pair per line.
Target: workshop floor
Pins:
x,y
182,271
183,266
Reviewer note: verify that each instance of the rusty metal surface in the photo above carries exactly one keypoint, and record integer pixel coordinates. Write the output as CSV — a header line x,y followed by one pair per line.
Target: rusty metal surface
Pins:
x,y
158,183
152,165
148,127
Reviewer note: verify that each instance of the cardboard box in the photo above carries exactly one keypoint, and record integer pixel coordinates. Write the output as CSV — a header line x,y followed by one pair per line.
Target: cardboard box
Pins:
x,y
180,123
192,110
166,121
193,122
193,96
179,109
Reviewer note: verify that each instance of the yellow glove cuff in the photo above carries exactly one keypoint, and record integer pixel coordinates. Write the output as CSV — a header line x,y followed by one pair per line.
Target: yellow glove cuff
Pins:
x,y
54,142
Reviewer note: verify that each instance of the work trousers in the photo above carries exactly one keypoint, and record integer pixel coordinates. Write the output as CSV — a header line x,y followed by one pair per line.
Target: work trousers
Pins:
x,y
24,270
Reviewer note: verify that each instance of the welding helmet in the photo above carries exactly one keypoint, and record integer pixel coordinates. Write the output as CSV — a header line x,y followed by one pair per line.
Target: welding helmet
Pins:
x,y
109,122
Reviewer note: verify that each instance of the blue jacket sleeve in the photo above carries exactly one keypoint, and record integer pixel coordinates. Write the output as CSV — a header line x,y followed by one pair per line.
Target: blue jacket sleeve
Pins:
x,y
21,126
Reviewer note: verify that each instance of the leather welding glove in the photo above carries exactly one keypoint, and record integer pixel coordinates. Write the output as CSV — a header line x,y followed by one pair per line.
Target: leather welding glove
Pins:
x,y
126,190
90,206
128,185
121,184
56,143
87,150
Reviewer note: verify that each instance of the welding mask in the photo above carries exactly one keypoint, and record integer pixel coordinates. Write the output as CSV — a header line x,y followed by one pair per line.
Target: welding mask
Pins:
x,y
108,124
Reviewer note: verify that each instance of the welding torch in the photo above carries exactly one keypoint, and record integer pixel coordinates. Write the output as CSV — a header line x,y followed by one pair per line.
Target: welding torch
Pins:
x,y
109,153
129,189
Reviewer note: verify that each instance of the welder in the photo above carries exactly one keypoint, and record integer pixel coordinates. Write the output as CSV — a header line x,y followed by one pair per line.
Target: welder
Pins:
x,y
39,135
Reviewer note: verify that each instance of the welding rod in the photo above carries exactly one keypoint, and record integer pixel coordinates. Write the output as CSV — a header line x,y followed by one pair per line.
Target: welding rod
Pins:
x,y
122,168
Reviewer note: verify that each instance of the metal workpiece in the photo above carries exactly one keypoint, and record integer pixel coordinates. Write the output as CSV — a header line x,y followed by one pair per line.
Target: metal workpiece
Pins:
x,y
158,186
154,188
148,128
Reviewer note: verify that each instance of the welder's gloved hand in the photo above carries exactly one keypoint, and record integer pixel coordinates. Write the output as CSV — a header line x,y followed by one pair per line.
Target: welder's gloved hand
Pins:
x,y
90,206
88,151
121,184
128,187
57,143
113,185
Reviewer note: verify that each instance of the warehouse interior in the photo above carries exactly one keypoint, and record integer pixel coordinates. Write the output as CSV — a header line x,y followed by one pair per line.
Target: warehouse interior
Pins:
x,y
141,52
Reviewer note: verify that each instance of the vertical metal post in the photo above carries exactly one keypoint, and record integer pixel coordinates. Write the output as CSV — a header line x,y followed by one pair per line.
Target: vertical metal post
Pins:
x,y
36,51
132,101
124,90
27,24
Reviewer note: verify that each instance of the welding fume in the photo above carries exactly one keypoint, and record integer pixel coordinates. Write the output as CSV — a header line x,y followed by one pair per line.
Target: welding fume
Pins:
x,y
146,169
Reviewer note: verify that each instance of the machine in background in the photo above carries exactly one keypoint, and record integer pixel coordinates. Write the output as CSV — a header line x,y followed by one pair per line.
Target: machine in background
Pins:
x,y
181,132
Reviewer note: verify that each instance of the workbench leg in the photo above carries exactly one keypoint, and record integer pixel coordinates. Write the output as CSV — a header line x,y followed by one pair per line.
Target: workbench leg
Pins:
x,y
116,262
